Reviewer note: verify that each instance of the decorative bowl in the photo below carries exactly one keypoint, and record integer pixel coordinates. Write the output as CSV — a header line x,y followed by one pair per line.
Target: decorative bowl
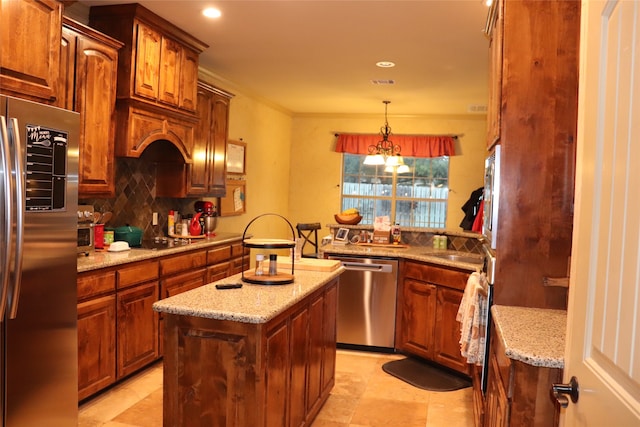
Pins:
x,y
348,219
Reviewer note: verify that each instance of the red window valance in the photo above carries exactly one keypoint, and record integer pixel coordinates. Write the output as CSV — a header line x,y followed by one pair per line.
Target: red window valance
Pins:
x,y
410,145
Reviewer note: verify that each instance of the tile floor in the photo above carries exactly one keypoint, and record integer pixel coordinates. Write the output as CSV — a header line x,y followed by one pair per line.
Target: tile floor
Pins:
x,y
364,395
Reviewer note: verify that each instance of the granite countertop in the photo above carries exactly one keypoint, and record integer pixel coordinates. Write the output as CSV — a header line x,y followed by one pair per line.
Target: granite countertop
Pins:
x,y
535,336
248,304
416,253
101,259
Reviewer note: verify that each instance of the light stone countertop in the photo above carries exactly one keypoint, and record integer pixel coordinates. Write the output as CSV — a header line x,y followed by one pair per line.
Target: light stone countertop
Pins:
x,y
416,253
101,259
248,304
535,336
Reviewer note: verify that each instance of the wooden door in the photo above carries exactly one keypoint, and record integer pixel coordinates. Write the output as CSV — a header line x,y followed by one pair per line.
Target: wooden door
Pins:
x,y
137,327
198,177
603,339
218,168
96,345
95,99
447,331
30,48
276,374
147,69
418,318
169,79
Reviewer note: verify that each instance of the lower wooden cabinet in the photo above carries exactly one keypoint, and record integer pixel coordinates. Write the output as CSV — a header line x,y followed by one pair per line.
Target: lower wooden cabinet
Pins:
x,y
221,372
137,325
428,303
518,394
118,331
96,345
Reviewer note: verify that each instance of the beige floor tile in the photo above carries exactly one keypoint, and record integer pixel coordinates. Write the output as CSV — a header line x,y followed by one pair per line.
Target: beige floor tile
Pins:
x,y
387,413
363,396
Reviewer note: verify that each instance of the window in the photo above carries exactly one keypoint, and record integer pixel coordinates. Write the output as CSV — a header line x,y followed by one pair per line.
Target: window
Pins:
x,y
414,199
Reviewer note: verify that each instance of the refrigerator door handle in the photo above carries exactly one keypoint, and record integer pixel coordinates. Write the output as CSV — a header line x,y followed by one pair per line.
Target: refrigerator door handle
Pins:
x,y
20,207
6,231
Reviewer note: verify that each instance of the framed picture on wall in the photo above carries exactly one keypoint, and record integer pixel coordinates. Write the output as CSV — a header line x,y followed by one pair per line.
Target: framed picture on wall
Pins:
x,y
236,156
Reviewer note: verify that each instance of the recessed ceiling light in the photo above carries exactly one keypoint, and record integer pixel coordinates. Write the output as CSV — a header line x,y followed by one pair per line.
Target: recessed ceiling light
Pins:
x,y
212,12
385,64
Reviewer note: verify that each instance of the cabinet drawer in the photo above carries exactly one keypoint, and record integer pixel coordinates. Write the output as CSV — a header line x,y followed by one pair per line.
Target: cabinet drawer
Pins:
x,y
218,254
437,275
237,250
184,262
218,271
92,284
137,273
179,283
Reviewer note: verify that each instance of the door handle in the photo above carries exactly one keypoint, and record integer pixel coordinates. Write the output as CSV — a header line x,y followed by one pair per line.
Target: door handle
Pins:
x,y
561,391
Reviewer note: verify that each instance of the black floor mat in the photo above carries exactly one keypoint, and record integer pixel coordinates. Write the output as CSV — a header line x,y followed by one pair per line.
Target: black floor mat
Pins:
x,y
424,375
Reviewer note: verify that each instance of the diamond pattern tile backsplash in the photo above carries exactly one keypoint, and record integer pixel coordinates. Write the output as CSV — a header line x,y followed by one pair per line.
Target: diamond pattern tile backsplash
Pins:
x,y
136,200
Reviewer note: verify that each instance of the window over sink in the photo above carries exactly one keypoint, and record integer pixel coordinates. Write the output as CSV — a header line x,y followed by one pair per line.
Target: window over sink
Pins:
x,y
417,198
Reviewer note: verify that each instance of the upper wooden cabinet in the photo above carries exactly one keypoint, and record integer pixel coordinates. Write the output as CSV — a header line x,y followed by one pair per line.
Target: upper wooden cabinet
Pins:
x,y
89,65
494,32
536,122
159,63
30,49
157,79
205,175
207,172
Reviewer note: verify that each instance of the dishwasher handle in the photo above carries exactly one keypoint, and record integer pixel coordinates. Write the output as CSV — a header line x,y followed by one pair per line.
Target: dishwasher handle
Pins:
x,y
359,266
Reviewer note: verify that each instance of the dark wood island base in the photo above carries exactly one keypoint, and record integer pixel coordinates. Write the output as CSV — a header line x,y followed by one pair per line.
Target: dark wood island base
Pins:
x,y
236,373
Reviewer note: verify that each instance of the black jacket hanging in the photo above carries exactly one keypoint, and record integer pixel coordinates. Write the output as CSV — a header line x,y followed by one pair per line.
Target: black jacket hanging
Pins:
x,y
470,208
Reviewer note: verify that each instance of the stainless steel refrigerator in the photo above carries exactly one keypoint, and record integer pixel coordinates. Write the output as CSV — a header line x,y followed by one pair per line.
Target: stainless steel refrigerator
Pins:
x,y
38,237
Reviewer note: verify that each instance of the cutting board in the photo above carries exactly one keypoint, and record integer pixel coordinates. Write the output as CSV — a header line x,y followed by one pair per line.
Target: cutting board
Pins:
x,y
311,264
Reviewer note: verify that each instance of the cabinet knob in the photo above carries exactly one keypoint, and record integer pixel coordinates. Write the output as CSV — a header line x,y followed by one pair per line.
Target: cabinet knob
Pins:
x,y
560,392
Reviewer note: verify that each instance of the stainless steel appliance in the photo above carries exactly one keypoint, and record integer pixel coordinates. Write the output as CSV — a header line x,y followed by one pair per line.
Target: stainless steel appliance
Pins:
x,y
489,270
86,230
491,196
39,192
367,303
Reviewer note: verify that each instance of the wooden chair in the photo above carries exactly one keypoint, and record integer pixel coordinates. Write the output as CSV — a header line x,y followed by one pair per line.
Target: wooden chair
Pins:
x,y
309,232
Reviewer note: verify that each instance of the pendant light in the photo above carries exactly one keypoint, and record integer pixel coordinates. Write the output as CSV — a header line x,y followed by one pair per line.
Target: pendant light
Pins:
x,y
385,152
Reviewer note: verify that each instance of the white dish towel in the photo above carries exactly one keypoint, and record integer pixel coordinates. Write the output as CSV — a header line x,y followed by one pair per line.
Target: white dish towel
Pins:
x,y
472,315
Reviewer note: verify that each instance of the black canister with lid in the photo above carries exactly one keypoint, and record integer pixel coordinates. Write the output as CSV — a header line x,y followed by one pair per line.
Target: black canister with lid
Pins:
x,y
273,264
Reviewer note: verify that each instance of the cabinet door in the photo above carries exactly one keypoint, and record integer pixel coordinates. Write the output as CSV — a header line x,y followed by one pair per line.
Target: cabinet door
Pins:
x,y
329,335
198,179
447,331
218,172
169,69
418,318
494,112
497,410
316,352
67,88
96,345
147,69
137,328
189,79
277,375
299,339
30,49
95,99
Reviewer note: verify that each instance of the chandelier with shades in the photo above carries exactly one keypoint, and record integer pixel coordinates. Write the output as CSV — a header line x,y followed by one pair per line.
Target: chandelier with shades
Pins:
x,y
385,152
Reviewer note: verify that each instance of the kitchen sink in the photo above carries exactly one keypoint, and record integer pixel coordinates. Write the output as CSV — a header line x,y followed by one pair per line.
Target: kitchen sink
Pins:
x,y
456,257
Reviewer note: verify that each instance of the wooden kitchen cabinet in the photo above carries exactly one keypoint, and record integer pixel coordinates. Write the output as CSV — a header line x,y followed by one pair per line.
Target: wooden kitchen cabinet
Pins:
x,y
89,68
252,374
206,175
533,114
427,307
96,332
137,323
494,111
30,49
159,62
518,394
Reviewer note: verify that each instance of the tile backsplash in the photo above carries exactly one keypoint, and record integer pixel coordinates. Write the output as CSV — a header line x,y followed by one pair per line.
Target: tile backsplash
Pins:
x,y
136,200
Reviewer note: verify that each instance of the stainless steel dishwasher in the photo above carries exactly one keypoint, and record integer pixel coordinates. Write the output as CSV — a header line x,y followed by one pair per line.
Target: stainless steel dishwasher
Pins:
x,y
367,303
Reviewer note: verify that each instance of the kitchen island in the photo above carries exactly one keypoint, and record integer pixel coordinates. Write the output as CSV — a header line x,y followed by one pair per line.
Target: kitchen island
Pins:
x,y
251,356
